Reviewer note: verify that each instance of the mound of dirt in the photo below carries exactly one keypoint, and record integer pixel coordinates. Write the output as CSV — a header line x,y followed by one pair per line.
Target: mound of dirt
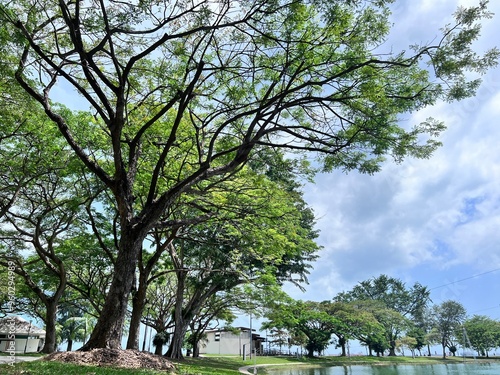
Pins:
x,y
113,357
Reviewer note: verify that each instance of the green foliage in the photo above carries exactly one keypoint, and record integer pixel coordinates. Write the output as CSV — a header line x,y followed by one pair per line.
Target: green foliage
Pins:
x,y
447,318
481,333
308,319
392,304
161,338
391,293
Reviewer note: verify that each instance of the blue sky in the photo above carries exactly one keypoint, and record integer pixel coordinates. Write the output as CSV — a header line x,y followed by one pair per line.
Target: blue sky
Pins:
x,y
434,221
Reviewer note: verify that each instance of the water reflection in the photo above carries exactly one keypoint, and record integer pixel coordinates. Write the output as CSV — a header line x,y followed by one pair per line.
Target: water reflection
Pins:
x,y
441,369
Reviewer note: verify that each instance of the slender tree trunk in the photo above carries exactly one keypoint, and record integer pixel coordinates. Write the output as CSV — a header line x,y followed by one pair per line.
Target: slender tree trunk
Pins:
x,y
50,327
444,350
139,299
138,304
70,345
175,348
108,331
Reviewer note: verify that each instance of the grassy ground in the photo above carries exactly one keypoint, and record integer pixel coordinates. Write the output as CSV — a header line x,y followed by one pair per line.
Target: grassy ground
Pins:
x,y
207,365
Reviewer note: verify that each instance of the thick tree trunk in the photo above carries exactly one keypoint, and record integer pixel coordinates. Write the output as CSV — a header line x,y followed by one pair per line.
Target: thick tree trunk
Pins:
x,y
342,343
392,349
138,304
159,349
175,348
108,331
50,328
196,350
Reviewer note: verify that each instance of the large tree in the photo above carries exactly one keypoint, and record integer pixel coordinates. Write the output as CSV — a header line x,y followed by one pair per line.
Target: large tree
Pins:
x,y
307,318
38,225
256,223
273,242
355,321
194,88
392,294
480,333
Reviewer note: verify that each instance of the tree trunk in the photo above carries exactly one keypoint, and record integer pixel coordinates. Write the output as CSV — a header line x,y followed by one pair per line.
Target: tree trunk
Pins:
x,y
159,349
70,345
138,304
342,342
444,350
392,349
139,299
50,327
196,350
175,348
108,331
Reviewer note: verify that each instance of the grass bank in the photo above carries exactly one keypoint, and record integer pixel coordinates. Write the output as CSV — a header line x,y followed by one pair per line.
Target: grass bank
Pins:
x,y
211,365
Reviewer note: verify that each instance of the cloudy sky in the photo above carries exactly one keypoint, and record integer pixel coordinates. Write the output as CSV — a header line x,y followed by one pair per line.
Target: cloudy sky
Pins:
x,y
434,221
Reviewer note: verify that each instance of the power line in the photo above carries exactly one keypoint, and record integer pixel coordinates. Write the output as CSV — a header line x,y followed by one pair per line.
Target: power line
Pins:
x,y
467,278
488,308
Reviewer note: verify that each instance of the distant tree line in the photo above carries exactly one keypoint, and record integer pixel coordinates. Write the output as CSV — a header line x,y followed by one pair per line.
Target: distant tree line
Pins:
x,y
386,317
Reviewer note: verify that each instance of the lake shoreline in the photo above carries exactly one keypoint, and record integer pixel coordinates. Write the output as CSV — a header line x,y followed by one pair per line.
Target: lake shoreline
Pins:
x,y
327,362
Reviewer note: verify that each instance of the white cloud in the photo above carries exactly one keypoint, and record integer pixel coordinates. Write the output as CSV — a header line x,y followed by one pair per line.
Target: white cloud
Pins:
x,y
439,213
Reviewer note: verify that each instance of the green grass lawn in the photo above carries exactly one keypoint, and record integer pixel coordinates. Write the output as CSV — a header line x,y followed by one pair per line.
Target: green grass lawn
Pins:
x,y
211,365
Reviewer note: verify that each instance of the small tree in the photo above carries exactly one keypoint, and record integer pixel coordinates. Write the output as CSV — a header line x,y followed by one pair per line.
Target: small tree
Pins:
x,y
279,337
447,317
159,340
407,342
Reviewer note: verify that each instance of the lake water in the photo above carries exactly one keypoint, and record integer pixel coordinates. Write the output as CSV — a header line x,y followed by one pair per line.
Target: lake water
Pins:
x,y
441,369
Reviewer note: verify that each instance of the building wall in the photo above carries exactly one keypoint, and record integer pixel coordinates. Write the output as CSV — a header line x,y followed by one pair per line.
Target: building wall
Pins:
x,y
229,343
20,345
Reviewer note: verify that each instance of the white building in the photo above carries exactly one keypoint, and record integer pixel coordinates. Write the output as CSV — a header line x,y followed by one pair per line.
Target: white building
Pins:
x,y
231,342
20,336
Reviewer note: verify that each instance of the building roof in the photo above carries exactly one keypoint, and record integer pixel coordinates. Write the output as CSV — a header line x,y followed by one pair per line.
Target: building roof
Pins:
x,y
225,329
22,326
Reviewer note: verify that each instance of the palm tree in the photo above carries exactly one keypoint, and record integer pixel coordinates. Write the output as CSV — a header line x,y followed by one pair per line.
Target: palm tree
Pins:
x,y
160,339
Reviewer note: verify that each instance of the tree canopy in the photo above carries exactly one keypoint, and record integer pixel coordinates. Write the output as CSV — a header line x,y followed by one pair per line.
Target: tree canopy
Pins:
x,y
180,96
